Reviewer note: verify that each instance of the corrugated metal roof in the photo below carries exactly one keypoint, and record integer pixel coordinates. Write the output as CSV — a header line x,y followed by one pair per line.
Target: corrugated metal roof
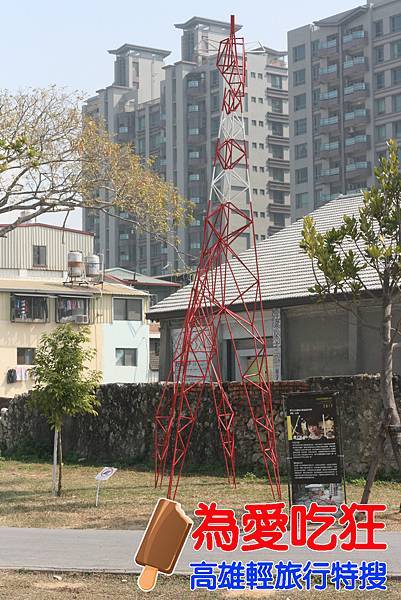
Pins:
x,y
57,287
285,270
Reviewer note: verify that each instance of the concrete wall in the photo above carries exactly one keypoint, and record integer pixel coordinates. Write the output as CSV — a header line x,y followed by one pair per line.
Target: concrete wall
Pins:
x,y
125,334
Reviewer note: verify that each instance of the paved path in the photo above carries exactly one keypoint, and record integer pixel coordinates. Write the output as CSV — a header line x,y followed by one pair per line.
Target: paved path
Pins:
x,y
113,551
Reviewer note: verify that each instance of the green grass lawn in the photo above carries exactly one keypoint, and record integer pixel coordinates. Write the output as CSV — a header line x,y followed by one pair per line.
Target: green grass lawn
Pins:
x,y
129,497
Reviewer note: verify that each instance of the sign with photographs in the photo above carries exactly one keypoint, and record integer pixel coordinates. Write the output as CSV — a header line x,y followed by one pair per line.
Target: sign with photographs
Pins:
x,y
314,448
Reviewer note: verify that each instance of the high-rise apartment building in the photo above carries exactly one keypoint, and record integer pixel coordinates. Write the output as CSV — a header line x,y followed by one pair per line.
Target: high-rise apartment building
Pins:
x,y
179,126
345,101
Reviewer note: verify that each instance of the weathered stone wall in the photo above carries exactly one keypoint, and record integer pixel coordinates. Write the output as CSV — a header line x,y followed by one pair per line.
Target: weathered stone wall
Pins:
x,y
123,430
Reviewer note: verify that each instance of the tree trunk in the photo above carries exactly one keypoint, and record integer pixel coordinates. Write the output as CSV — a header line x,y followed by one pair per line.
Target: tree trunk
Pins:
x,y
54,474
391,414
60,463
378,450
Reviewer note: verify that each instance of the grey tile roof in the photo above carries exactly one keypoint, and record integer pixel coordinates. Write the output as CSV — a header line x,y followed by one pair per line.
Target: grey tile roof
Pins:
x,y
285,270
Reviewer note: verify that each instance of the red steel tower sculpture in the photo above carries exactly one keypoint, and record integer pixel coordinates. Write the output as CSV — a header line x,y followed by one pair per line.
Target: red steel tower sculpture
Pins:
x,y
215,296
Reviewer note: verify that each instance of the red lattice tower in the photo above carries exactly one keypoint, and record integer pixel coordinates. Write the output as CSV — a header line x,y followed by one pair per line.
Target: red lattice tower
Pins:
x,y
215,296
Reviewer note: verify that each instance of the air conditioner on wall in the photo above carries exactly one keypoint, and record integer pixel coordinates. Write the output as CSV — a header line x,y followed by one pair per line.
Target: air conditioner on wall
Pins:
x,y
82,319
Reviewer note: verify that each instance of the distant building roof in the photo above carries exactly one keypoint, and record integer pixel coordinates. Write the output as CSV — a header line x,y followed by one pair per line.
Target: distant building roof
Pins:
x,y
341,17
131,276
201,21
125,48
34,286
285,270
49,226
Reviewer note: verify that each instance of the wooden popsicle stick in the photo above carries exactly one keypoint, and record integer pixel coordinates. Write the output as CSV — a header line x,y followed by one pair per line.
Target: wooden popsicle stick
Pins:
x,y
147,579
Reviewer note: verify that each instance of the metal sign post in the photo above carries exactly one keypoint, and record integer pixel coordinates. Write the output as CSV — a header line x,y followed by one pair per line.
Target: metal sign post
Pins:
x,y
104,475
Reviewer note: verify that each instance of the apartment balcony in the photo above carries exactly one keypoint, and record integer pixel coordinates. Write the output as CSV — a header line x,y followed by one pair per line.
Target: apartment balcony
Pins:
x,y
327,74
355,41
355,66
356,117
277,139
284,209
273,229
327,49
282,186
328,125
330,175
355,92
196,90
328,150
358,143
328,99
358,169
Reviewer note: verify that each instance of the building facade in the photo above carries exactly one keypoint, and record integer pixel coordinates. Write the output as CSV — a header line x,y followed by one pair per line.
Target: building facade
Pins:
x,y
179,130
345,101
36,295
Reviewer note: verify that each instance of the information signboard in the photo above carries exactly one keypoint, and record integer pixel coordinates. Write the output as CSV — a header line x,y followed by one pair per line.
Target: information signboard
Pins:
x,y
314,448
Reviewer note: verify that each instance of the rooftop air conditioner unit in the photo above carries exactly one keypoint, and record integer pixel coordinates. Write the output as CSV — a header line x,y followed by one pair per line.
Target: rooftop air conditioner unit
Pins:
x,y
82,319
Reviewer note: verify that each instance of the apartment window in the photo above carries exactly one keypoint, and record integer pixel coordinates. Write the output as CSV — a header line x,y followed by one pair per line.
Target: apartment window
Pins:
x,y
194,177
278,197
378,28
277,175
277,151
380,106
301,151
122,129
315,72
315,48
380,133
261,124
260,100
126,357
278,220
300,126
262,193
25,356
193,131
254,145
255,169
193,83
215,102
299,77
253,75
379,80
261,169
277,105
261,146
39,256
255,191
29,308
397,129
127,309
395,49
72,310
301,200
195,199
395,23
301,175
215,78
141,123
253,122
378,54
141,146
253,99
277,129
194,154
396,76
397,103
300,102
193,107
277,82
263,215
298,53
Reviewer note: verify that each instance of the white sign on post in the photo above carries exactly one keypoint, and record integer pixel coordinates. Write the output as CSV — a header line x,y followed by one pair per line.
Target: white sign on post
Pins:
x,y
104,475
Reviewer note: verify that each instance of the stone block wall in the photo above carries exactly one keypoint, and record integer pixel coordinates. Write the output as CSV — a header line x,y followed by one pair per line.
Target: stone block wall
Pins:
x,y
123,430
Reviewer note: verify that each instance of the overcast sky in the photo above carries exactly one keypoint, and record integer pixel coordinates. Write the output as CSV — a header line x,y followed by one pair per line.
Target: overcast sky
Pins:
x,y
65,42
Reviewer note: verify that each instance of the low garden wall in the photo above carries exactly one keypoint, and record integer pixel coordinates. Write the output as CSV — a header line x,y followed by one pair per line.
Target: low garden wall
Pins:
x,y
123,430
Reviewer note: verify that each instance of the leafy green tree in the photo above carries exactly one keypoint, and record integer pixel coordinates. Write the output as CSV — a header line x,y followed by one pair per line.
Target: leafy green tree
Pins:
x,y
368,242
64,384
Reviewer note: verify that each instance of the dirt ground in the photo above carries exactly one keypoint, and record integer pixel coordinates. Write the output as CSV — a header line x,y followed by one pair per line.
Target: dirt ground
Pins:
x,y
44,586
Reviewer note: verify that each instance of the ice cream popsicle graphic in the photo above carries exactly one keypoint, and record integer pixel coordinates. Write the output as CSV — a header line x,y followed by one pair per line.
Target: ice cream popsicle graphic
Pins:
x,y
162,542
